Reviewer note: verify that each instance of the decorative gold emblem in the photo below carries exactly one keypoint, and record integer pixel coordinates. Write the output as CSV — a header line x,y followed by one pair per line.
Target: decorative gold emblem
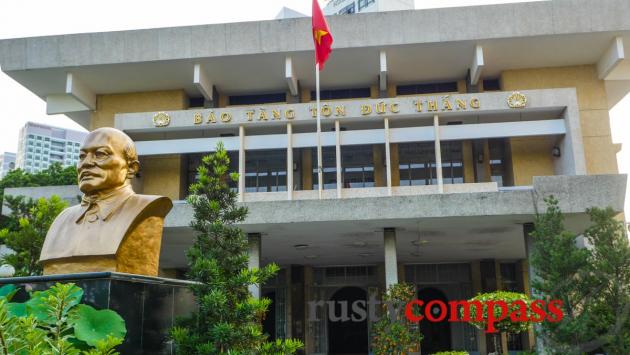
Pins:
x,y
161,119
517,100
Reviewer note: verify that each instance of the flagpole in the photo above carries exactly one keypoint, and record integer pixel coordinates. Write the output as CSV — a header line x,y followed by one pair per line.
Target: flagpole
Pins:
x,y
320,177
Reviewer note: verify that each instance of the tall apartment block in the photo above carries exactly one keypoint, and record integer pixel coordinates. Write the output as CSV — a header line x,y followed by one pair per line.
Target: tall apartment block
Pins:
x,y
7,163
40,145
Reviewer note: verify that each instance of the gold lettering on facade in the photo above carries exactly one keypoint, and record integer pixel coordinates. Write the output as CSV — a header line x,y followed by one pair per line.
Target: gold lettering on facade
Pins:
x,y
262,116
380,108
313,112
340,110
394,108
326,111
475,103
212,118
276,114
226,117
198,118
418,104
289,114
461,104
446,104
432,105
250,114
366,109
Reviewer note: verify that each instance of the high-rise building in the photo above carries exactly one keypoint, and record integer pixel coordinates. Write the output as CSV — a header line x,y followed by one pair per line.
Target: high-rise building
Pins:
x,y
346,7
41,145
7,163
443,130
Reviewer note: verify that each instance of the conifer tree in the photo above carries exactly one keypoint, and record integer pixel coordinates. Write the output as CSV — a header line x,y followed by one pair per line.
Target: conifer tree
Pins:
x,y
228,319
593,282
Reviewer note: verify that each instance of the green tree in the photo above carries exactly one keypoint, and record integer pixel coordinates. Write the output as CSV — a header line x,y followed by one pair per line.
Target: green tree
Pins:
x,y
54,175
394,333
228,318
27,239
593,283
517,306
609,271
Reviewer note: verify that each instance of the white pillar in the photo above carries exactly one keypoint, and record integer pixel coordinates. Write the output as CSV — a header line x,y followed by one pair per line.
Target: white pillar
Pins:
x,y
338,157
391,261
289,161
388,159
438,153
254,260
241,164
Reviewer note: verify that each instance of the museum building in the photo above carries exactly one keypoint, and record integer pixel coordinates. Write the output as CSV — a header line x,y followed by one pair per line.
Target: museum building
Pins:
x,y
442,131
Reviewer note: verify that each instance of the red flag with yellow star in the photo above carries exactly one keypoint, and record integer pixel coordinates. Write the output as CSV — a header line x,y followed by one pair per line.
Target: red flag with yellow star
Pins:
x,y
321,36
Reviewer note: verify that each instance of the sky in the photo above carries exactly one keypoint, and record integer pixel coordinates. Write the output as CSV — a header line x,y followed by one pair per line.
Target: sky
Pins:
x,y
26,18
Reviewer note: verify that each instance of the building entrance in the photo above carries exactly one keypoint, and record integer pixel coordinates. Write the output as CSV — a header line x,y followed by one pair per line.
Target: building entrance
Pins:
x,y
436,335
347,332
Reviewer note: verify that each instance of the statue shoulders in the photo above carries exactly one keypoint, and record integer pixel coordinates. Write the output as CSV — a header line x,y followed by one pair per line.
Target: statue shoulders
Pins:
x,y
150,205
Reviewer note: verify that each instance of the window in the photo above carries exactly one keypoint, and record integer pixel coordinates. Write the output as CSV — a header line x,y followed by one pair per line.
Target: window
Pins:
x,y
350,9
258,99
266,170
329,167
31,136
497,161
428,88
417,164
452,162
39,138
365,3
39,144
76,144
31,143
491,85
47,139
342,94
30,150
357,166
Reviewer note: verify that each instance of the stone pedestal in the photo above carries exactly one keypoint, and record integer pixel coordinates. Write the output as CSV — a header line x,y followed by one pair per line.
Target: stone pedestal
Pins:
x,y
149,305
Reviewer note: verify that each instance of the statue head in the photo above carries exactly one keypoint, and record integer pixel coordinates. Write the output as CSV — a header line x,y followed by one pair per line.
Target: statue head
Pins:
x,y
108,160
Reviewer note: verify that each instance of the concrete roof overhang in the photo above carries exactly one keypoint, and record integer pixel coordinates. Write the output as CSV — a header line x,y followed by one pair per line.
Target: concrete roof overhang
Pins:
x,y
249,57
449,227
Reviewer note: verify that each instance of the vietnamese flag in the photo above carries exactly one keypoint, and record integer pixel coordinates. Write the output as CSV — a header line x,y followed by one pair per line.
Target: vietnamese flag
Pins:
x,y
321,36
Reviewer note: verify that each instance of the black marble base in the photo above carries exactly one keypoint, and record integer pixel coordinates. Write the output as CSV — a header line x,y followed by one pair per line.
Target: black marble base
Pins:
x,y
149,305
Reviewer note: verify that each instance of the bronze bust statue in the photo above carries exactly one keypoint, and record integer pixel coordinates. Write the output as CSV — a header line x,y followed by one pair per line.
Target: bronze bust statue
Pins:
x,y
113,229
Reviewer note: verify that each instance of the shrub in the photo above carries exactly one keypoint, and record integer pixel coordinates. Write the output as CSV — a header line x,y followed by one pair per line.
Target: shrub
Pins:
x,y
54,322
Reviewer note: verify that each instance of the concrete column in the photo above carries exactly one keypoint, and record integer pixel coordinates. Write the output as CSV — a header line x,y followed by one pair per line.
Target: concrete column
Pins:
x,y
307,169
241,164
289,161
475,268
388,159
499,278
338,156
395,160
309,339
438,153
469,162
254,252
391,262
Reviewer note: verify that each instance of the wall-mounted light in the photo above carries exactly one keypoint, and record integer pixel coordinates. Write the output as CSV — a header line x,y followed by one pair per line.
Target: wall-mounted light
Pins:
x,y
556,151
480,158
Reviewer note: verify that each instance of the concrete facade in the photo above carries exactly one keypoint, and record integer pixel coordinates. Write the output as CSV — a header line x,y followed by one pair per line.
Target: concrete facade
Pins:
x,y
443,131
